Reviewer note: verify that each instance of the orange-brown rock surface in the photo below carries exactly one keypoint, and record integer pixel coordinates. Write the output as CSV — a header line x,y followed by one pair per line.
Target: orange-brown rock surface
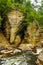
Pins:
x,y
4,44
13,24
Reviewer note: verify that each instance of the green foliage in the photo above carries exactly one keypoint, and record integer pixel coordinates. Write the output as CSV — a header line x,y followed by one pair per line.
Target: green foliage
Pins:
x,y
18,1
5,5
23,6
28,11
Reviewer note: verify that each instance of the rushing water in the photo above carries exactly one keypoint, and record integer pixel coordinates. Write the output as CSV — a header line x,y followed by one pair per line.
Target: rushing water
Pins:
x,y
25,58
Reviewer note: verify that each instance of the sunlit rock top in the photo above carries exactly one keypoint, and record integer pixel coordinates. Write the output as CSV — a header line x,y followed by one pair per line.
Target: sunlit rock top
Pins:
x,y
15,17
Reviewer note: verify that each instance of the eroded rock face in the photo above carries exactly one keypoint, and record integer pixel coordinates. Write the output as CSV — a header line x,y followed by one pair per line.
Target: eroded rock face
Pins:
x,y
24,47
17,40
4,44
32,34
12,25
31,37
41,36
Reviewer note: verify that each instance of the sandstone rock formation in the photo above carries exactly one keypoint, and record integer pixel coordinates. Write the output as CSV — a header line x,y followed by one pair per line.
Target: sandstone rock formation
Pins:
x,y
12,25
32,34
4,44
31,37
17,41
25,47
41,36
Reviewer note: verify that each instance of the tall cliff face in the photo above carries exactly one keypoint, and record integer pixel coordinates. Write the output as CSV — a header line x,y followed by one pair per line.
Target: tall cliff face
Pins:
x,y
32,34
32,37
12,25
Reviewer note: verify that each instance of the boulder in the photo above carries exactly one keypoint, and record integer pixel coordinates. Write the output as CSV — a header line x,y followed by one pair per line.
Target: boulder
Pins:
x,y
17,41
25,47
